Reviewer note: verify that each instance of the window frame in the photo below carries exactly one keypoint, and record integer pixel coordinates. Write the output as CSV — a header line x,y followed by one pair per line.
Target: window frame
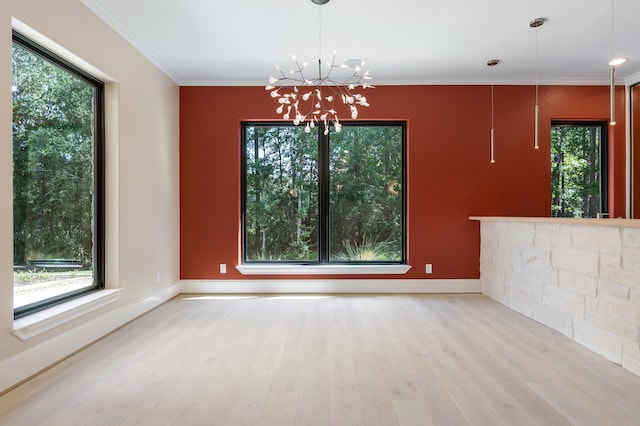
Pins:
x,y
634,152
604,154
98,214
323,194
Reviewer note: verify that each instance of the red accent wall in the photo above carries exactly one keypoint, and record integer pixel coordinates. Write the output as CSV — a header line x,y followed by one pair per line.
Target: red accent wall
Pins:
x,y
449,175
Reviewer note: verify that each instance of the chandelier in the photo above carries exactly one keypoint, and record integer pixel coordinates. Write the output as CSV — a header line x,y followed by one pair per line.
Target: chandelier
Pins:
x,y
312,100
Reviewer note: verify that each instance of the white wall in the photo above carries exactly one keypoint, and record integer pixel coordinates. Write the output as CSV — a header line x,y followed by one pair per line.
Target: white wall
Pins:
x,y
142,161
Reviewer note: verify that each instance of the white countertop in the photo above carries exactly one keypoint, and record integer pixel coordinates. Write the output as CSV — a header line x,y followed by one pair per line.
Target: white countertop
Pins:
x,y
631,223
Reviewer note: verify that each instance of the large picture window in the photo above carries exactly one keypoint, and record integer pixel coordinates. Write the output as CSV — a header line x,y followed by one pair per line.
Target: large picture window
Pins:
x,y
316,198
58,184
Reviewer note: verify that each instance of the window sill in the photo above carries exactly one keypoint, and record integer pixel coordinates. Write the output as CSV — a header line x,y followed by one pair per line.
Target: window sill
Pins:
x,y
323,269
40,322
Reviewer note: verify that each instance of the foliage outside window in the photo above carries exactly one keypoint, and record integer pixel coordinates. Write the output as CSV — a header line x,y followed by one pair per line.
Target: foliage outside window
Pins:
x,y
315,198
57,179
578,169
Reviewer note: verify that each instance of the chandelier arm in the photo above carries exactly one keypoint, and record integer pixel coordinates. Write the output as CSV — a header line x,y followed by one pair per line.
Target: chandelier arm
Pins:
x,y
332,65
328,76
345,83
355,79
291,77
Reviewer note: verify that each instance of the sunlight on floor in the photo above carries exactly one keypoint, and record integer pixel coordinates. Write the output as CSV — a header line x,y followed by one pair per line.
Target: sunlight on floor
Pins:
x,y
278,297
220,297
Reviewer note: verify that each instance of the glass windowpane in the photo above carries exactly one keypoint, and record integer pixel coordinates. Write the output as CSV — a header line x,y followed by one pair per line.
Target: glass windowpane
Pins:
x,y
576,170
365,208
281,215
53,179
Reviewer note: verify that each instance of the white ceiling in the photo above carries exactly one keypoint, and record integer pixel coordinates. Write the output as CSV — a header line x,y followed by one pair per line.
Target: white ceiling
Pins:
x,y
238,42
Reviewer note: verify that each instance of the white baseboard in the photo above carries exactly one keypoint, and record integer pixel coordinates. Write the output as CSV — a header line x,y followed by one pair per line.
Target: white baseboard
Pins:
x,y
25,364
359,286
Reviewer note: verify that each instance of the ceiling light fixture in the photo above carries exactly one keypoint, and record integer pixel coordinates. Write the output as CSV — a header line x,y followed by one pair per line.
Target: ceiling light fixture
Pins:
x,y
311,101
492,63
617,61
535,24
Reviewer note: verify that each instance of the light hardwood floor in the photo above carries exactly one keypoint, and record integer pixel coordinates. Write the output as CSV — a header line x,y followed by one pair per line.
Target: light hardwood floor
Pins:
x,y
324,360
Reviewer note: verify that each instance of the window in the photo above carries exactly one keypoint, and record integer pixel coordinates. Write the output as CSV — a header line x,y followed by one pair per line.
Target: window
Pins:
x,y
58,184
315,198
578,169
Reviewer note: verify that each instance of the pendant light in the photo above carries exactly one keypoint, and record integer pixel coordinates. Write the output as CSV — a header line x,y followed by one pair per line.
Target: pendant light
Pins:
x,y
612,75
492,63
535,24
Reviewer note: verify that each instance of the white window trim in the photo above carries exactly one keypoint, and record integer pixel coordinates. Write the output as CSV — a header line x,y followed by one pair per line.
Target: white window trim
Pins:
x,y
274,269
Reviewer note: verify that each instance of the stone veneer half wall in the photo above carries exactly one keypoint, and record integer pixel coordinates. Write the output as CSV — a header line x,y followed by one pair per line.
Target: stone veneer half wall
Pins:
x,y
578,276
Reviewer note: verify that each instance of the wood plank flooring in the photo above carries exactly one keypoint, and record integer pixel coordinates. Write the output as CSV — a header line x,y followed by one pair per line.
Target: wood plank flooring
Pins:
x,y
330,360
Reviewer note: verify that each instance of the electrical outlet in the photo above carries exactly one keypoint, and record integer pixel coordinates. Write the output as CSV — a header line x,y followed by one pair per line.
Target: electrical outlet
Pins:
x,y
223,268
428,268
157,277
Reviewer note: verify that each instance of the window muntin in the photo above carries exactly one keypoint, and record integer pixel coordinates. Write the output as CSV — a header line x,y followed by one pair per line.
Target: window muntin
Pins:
x,y
578,169
315,198
58,194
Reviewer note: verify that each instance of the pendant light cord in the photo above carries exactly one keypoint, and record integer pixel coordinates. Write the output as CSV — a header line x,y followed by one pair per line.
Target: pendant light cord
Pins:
x,y
537,79
612,29
612,81
492,84
492,63
319,42
493,160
